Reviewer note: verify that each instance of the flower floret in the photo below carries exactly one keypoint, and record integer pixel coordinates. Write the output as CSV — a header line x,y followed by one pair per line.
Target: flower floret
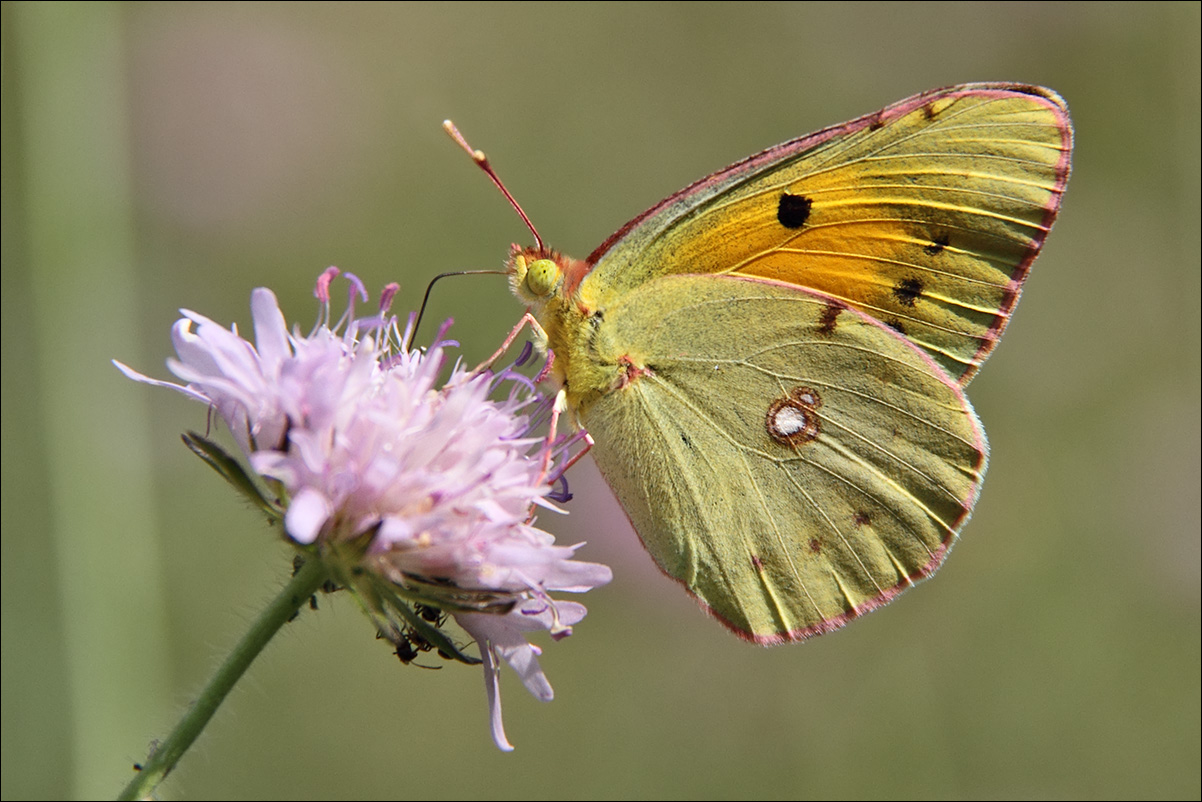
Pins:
x,y
428,488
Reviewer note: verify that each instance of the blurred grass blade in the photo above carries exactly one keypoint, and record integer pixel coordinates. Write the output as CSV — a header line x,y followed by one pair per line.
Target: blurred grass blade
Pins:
x,y
80,260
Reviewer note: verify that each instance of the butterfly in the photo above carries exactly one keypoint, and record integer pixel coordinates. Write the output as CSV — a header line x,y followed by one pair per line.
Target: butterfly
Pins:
x,y
771,362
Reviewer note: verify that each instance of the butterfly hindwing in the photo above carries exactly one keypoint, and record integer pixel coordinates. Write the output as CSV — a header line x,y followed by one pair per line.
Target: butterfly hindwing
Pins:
x,y
925,216
791,461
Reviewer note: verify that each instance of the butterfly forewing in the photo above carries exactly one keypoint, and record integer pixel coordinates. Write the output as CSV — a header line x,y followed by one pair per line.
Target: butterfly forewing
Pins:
x,y
925,216
791,461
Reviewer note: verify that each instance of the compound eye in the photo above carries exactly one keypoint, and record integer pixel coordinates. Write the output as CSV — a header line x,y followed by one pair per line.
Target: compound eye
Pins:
x,y
541,277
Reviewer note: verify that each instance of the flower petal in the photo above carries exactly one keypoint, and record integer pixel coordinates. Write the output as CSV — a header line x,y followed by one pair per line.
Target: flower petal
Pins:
x,y
306,515
271,331
500,635
130,373
492,689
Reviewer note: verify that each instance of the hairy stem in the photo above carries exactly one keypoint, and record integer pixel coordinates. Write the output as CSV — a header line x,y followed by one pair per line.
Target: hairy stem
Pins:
x,y
283,607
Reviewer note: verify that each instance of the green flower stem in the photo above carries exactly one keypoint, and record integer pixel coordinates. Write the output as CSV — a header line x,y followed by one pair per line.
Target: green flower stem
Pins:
x,y
283,607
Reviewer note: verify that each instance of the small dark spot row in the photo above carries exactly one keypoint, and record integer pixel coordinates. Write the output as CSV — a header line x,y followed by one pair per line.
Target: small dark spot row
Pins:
x,y
937,245
830,318
907,291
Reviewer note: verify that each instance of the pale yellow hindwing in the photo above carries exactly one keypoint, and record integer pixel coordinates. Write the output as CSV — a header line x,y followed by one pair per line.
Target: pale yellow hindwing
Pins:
x,y
789,460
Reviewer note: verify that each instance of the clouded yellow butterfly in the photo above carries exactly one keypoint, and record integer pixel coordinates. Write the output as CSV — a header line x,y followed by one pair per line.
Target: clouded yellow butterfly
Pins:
x,y
771,361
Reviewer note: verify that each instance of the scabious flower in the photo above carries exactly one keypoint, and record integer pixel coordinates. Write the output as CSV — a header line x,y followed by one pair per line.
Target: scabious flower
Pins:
x,y
418,496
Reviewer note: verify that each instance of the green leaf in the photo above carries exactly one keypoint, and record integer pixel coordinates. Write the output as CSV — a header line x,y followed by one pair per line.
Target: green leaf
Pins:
x,y
232,471
433,635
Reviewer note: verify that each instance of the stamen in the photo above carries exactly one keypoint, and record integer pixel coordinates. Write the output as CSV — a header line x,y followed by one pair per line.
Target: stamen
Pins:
x,y
509,375
390,291
356,288
406,338
439,342
527,351
358,285
563,495
322,290
559,630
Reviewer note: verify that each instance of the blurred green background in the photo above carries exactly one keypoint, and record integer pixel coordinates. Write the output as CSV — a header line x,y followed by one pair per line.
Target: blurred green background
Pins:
x,y
158,156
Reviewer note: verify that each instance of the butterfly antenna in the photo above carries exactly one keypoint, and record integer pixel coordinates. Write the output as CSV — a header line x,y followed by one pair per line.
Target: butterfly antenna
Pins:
x,y
426,298
482,162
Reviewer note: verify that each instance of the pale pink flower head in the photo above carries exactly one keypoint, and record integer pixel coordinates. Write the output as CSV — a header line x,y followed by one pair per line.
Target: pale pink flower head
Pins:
x,y
418,494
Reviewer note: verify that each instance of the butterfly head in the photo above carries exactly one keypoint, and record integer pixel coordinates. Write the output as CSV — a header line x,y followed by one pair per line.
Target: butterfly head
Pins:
x,y
537,274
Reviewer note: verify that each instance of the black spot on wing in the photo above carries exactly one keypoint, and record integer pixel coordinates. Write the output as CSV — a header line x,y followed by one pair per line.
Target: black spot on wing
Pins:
x,y
907,291
937,245
793,210
896,325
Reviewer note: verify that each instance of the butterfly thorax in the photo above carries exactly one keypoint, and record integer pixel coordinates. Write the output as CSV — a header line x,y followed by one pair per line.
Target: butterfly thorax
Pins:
x,y
549,284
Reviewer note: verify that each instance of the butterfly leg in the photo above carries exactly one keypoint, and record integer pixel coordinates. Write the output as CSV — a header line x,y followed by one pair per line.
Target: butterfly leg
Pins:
x,y
539,333
551,446
557,409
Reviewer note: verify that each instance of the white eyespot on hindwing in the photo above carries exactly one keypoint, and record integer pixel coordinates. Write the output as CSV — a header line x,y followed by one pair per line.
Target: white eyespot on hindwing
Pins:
x,y
793,419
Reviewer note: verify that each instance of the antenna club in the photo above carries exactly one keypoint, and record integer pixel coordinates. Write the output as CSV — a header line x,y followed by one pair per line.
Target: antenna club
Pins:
x,y
482,162
453,132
